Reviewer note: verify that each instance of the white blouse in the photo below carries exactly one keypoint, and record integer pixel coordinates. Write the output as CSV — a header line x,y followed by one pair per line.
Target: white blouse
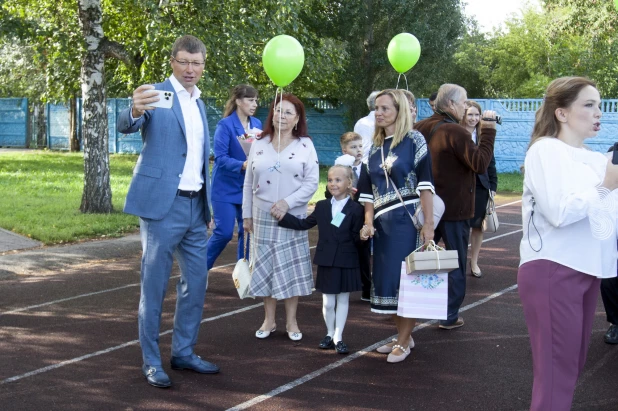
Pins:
x,y
561,188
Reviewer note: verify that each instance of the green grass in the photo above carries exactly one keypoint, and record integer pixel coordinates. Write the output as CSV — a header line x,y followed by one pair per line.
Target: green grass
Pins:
x,y
40,194
510,183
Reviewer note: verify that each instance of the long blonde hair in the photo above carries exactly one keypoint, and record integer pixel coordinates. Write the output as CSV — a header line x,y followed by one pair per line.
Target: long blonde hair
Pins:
x,y
403,122
561,93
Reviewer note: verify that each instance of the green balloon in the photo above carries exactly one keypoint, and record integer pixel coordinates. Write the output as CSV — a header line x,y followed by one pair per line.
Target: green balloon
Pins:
x,y
404,50
283,59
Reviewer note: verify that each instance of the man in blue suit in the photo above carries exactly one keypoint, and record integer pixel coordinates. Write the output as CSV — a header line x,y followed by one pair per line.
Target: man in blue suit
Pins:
x,y
170,194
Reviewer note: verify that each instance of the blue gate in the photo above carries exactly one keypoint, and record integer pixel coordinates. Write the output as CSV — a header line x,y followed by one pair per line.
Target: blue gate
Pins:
x,y
13,122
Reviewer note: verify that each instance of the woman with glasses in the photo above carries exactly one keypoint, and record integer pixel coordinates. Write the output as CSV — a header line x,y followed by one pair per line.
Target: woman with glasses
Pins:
x,y
234,132
282,175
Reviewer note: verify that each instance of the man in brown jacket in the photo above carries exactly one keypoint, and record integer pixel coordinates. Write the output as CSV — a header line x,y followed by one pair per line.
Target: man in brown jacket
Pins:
x,y
456,160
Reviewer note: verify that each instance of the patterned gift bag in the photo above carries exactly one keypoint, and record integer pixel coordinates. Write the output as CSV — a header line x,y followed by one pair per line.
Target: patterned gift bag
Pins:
x,y
422,295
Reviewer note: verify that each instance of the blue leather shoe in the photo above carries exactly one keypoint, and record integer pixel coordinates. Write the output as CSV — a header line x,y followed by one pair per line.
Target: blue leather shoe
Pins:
x,y
195,363
156,376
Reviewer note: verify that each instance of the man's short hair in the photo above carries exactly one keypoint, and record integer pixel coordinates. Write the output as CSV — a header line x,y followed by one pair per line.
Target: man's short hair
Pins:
x,y
190,44
349,137
448,93
433,96
371,100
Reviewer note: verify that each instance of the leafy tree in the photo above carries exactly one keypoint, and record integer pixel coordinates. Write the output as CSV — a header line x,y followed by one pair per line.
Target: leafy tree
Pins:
x,y
365,28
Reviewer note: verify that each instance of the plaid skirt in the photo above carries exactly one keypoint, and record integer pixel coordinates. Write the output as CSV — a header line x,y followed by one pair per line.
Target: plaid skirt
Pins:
x,y
282,265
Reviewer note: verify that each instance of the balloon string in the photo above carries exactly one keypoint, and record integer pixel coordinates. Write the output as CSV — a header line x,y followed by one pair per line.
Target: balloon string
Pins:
x,y
277,164
404,76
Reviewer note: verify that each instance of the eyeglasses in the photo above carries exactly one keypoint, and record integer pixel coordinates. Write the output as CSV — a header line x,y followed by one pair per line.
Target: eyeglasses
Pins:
x,y
185,63
286,113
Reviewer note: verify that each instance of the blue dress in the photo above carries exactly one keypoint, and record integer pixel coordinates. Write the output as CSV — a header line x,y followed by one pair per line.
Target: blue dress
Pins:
x,y
395,235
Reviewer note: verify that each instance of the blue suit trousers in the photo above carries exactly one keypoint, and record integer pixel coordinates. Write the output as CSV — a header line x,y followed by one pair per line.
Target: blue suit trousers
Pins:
x,y
181,234
225,216
456,235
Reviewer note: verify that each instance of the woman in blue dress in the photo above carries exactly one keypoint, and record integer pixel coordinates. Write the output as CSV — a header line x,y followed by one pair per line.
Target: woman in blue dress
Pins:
x,y
398,160
232,141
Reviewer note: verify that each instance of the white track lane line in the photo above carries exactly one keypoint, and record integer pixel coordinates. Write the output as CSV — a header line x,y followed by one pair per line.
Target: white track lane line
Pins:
x,y
332,366
31,307
117,347
351,357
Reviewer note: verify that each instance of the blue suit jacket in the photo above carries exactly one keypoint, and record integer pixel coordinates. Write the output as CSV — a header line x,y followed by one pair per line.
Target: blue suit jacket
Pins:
x,y
157,174
228,176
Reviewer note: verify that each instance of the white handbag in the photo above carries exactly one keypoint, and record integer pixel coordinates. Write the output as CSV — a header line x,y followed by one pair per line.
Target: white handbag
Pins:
x,y
242,272
490,222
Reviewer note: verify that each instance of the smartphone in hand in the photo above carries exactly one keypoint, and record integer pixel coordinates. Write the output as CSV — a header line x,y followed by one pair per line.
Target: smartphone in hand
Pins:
x,y
615,154
166,99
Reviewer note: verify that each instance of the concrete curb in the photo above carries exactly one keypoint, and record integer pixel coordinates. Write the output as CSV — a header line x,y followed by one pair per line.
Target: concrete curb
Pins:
x,y
58,257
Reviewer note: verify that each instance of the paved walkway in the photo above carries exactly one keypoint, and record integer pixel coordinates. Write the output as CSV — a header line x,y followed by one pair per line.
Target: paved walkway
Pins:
x,y
68,341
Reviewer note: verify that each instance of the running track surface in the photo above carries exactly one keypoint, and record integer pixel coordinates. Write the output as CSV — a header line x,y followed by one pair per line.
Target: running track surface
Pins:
x,y
68,342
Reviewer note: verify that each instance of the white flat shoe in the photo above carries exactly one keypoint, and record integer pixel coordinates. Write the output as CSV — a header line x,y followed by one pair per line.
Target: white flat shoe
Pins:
x,y
265,334
295,336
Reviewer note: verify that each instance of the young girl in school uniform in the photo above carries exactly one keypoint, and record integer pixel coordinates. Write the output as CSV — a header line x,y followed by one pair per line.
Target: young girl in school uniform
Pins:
x,y
339,220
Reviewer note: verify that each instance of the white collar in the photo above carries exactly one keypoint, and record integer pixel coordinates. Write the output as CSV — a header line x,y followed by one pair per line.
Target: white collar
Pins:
x,y
333,200
179,88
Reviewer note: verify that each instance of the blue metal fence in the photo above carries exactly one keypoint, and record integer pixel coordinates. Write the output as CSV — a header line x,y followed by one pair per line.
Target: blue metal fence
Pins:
x,y
326,124
517,122
13,122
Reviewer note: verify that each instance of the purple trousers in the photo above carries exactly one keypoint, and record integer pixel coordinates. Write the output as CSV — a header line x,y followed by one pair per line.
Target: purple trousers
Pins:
x,y
559,305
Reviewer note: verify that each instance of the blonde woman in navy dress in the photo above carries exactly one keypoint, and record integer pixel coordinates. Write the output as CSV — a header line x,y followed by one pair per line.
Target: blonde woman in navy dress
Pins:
x,y
228,172
407,163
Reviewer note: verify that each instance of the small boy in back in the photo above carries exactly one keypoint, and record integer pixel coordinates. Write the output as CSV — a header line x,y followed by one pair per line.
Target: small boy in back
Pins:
x,y
352,145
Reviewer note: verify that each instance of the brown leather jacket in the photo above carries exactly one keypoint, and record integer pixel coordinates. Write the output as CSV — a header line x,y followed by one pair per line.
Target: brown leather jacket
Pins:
x,y
455,162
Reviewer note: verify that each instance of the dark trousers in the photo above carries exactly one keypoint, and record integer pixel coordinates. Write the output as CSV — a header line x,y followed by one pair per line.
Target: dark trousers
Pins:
x,y
455,235
364,260
609,293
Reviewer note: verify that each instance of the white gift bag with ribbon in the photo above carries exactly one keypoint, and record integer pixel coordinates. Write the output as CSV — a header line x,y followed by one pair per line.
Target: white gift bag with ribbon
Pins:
x,y
422,295
431,259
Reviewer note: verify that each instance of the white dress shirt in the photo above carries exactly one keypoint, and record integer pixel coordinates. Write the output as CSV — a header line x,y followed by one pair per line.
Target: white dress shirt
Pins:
x,y
561,186
337,205
192,178
365,127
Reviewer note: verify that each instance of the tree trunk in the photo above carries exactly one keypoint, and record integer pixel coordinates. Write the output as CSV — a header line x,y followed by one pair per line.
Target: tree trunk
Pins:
x,y
73,140
368,50
97,195
40,125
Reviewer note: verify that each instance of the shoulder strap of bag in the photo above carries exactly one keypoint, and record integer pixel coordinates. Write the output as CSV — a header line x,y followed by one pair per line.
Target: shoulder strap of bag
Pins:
x,y
388,178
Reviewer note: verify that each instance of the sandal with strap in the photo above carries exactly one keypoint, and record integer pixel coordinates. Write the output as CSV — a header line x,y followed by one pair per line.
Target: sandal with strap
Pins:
x,y
387,349
392,358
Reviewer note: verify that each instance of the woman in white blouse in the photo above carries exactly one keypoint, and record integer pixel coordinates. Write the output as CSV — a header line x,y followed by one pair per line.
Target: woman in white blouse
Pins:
x,y
564,251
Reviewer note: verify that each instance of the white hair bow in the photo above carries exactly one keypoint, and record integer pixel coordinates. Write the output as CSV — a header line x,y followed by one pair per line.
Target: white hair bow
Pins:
x,y
345,160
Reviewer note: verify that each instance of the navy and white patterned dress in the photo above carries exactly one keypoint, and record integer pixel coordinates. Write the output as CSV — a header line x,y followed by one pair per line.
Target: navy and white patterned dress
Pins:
x,y
395,235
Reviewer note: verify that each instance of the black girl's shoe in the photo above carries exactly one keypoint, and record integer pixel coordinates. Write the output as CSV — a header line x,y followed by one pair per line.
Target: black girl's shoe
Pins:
x,y
341,348
327,343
